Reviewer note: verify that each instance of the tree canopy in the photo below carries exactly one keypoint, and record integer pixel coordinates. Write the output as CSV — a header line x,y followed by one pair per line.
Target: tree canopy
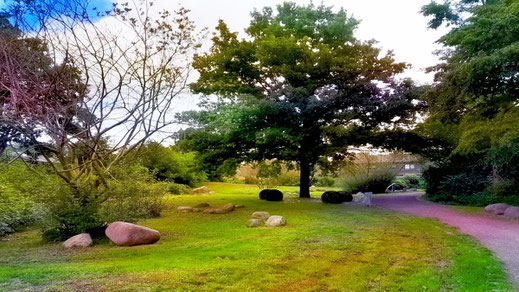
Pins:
x,y
473,104
299,88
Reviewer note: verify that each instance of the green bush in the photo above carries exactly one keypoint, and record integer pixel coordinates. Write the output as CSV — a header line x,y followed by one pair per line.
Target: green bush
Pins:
x,y
18,187
375,181
411,181
289,178
130,201
130,196
325,181
168,164
178,189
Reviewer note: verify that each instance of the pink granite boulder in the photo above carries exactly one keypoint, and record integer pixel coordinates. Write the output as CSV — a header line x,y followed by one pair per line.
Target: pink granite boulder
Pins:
x,y
496,209
80,240
127,234
512,212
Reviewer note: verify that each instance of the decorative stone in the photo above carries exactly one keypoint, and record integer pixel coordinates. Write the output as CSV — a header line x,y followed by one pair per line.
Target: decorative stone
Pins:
x,y
127,234
255,223
275,221
260,215
202,205
200,190
185,209
220,210
497,209
80,240
512,212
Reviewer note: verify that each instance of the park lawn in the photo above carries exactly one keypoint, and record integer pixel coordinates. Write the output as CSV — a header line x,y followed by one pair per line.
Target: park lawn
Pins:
x,y
323,247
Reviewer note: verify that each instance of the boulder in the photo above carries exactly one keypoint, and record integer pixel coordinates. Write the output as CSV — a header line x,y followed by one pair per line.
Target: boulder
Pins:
x,y
274,195
260,215
496,209
127,234
202,205
512,212
255,223
80,240
275,221
200,190
196,210
220,210
185,209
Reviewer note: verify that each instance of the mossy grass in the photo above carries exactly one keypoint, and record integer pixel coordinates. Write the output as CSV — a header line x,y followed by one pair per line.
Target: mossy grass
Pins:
x,y
342,247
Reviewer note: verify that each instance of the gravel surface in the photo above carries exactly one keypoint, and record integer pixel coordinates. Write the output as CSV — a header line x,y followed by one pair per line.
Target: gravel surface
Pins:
x,y
496,233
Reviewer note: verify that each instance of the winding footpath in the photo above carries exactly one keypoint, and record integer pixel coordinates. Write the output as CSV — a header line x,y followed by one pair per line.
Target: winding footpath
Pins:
x,y
497,234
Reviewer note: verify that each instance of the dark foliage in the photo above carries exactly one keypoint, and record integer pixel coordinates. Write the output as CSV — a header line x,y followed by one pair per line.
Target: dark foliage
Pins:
x,y
333,197
273,195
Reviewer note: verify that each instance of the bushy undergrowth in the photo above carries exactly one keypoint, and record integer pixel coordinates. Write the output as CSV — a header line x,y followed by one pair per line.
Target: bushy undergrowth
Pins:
x,y
18,187
325,181
178,189
168,164
62,210
376,182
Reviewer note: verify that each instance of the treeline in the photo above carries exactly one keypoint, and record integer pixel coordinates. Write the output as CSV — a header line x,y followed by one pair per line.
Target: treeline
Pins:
x,y
472,130
33,194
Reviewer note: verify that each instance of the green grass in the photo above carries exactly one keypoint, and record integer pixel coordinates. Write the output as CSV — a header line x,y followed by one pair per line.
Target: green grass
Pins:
x,y
322,248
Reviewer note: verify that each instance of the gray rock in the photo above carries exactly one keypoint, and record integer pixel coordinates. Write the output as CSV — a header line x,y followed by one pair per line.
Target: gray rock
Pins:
x,y
185,209
512,212
496,209
220,210
80,240
275,221
200,190
196,210
202,205
255,223
260,215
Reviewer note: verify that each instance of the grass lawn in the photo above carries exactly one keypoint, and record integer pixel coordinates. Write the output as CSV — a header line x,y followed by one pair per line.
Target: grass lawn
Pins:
x,y
322,248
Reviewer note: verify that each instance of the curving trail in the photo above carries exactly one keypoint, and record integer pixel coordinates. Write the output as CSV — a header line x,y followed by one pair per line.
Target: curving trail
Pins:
x,y
497,234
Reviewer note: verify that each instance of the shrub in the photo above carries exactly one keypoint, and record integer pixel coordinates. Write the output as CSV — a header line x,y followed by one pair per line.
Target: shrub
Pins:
x,y
411,181
325,181
263,194
273,195
178,189
374,182
332,197
131,195
168,164
18,188
288,178
251,180
369,173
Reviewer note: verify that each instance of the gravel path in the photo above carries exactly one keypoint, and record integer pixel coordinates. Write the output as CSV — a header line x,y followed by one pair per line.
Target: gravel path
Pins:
x,y
497,234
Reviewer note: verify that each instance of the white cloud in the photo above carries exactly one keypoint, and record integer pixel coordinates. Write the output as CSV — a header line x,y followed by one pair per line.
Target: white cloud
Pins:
x,y
397,25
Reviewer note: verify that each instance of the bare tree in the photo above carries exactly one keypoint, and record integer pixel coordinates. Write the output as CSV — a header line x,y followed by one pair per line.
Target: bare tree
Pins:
x,y
132,62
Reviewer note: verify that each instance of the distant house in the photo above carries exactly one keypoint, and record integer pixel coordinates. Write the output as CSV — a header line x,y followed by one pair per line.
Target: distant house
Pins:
x,y
400,164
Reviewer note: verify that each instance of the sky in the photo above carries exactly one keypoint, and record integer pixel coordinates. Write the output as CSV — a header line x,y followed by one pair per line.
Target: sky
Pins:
x,y
396,25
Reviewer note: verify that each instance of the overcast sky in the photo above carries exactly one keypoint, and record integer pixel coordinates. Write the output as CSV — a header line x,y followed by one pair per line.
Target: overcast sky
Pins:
x,y
396,24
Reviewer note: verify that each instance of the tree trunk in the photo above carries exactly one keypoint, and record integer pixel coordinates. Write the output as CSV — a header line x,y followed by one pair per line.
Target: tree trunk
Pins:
x,y
304,180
